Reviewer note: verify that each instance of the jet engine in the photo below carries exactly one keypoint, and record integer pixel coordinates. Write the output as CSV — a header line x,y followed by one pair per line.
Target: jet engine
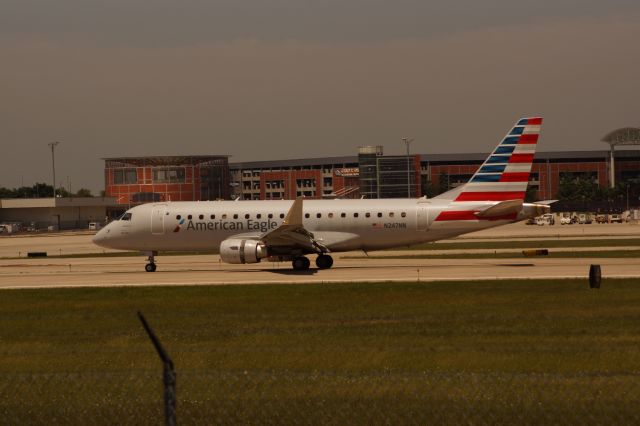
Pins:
x,y
236,250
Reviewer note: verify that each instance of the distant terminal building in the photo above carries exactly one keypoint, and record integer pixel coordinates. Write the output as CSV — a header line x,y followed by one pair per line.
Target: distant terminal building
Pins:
x,y
137,180
374,175
56,213
369,175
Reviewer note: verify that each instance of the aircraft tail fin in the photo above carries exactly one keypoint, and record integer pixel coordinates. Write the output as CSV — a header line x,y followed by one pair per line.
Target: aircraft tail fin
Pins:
x,y
504,175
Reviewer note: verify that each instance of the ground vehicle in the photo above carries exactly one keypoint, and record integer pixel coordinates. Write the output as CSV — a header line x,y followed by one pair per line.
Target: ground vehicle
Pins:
x,y
615,218
584,218
3,229
601,218
565,220
94,226
545,219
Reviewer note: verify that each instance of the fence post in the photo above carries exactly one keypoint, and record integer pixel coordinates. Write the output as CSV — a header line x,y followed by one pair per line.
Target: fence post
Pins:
x,y
168,375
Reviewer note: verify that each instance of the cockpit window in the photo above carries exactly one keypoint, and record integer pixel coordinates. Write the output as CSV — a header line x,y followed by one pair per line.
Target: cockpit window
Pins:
x,y
126,216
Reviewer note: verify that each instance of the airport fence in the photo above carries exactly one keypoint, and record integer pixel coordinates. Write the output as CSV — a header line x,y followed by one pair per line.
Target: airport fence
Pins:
x,y
320,397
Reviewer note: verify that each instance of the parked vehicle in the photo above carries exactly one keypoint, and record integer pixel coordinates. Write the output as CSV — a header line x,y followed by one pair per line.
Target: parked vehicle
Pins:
x,y
584,218
566,220
601,218
94,226
615,218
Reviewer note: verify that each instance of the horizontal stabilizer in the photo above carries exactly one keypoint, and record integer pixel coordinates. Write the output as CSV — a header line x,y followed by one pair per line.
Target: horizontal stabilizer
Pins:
x,y
501,209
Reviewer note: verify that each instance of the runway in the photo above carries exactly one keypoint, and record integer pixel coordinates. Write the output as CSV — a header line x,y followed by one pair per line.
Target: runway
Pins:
x,y
206,269
16,271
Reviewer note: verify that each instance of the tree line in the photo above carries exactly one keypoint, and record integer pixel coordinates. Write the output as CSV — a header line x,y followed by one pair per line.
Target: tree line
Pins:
x,y
41,190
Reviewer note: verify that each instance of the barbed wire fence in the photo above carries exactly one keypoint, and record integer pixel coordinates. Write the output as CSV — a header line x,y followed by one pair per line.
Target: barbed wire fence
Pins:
x,y
268,397
302,396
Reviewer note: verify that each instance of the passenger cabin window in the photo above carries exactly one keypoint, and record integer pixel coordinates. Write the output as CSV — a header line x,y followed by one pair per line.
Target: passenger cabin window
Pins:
x,y
189,217
270,216
178,217
224,216
235,216
281,215
246,216
403,214
307,215
355,215
213,216
379,214
343,215
330,215
126,216
319,215
367,214
258,216
201,217
390,214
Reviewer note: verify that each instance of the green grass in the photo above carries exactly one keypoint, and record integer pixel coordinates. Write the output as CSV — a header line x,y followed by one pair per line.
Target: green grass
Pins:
x,y
532,351
607,254
547,243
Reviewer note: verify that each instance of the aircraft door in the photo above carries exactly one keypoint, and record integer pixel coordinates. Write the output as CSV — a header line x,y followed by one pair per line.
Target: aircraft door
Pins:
x,y
157,219
423,217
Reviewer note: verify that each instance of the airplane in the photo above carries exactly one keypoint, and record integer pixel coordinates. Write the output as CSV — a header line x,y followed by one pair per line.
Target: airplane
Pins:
x,y
245,232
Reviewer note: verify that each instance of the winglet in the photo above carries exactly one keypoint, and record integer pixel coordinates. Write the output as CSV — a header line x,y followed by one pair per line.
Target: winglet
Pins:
x,y
294,215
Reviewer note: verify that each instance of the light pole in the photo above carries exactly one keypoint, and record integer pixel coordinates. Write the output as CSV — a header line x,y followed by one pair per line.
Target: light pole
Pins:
x,y
407,142
53,164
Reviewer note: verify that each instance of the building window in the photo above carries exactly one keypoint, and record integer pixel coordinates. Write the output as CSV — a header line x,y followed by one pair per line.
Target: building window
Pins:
x,y
124,176
169,175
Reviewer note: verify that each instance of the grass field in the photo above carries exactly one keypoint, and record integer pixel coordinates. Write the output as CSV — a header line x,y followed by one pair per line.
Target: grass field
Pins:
x,y
457,352
557,254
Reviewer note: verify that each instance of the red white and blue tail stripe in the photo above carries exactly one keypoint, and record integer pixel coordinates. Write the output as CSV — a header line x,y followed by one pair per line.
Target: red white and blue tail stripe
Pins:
x,y
505,173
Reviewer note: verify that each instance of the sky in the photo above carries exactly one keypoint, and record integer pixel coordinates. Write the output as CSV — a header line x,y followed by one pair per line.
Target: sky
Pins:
x,y
279,79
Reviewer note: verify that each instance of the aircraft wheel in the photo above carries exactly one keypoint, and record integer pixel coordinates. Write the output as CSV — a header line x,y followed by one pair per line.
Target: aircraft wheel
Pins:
x,y
150,267
301,263
324,261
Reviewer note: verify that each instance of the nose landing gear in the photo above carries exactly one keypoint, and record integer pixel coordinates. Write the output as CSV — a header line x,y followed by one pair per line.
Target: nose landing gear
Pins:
x,y
151,266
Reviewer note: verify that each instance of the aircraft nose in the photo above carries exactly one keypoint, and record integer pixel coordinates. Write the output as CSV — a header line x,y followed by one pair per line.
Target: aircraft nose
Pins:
x,y
100,238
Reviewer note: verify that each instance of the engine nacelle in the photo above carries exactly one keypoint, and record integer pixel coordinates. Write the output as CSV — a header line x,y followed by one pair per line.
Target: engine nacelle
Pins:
x,y
236,250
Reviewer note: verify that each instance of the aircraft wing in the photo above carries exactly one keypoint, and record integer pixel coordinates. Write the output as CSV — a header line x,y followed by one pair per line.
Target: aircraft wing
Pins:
x,y
291,233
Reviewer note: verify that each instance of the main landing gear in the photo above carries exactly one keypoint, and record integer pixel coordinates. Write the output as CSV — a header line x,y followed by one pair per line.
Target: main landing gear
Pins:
x,y
301,263
151,266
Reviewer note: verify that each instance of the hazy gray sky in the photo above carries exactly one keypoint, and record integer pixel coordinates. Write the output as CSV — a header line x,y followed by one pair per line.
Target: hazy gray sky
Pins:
x,y
259,79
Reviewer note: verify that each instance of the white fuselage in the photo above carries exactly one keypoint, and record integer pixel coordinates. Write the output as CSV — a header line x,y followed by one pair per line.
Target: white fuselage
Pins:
x,y
340,225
